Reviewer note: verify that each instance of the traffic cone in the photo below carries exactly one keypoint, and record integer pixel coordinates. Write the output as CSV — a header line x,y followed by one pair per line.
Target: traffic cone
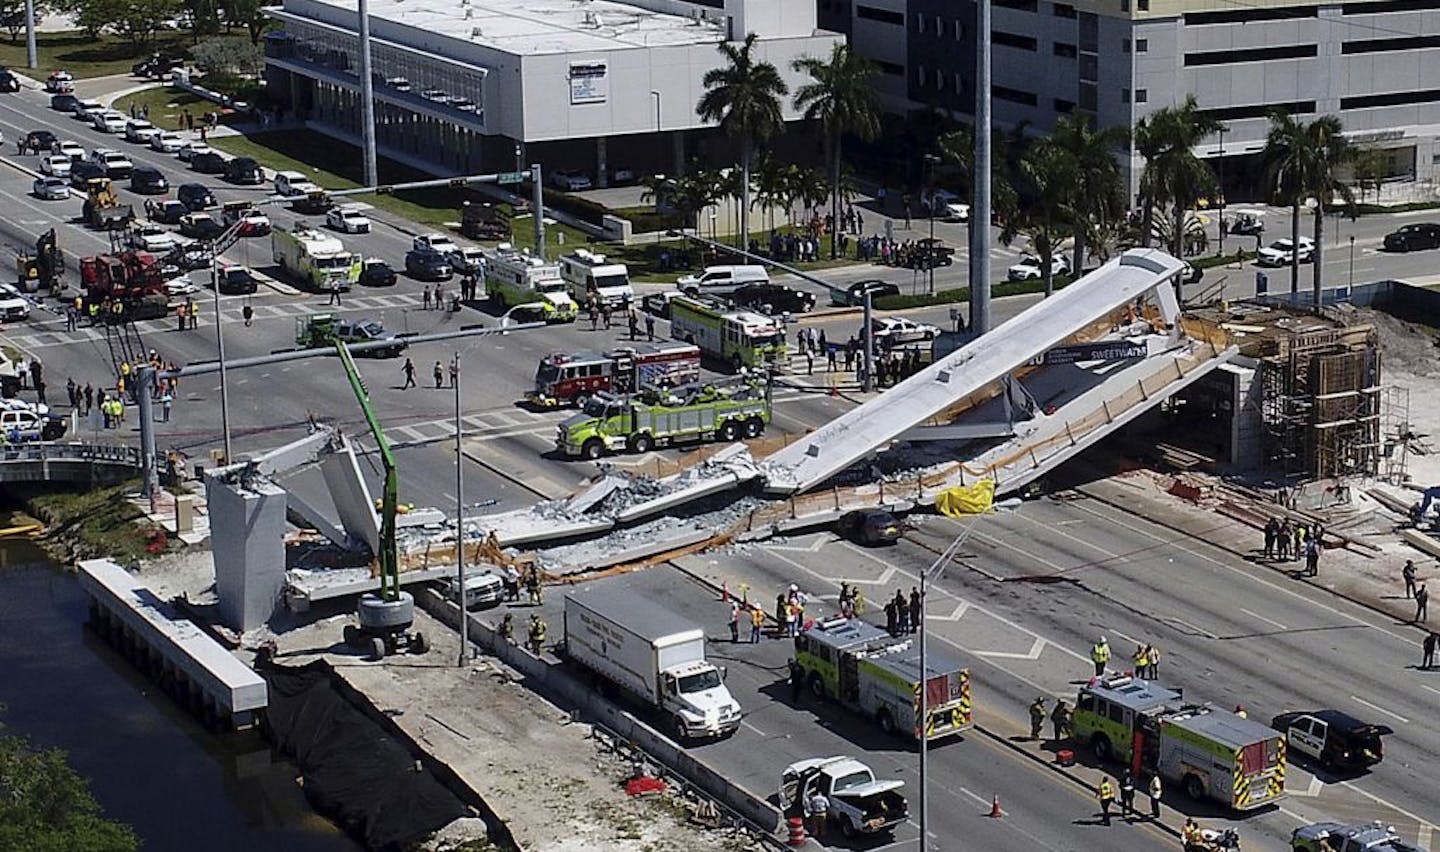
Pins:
x,y
995,812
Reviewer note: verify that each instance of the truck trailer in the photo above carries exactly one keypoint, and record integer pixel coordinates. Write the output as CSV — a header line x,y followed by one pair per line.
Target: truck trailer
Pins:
x,y
563,379
1208,752
877,675
651,654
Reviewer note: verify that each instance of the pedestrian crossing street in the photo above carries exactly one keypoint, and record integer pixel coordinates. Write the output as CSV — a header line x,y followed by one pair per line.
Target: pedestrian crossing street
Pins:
x,y
40,335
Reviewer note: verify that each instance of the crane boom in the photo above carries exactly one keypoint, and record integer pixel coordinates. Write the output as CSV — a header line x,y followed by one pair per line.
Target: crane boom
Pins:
x,y
389,503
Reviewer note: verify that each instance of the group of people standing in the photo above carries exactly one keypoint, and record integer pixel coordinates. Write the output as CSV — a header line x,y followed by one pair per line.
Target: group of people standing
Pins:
x,y
1285,540
902,616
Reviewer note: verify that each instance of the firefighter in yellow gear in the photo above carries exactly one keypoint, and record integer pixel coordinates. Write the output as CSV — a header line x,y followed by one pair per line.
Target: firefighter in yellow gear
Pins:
x,y
507,628
1106,795
1100,655
537,634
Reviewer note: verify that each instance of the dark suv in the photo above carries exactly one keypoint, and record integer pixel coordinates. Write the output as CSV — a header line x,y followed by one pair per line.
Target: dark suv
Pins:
x,y
1421,235
428,265
1333,739
148,180
773,298
63,103
854,295
244,170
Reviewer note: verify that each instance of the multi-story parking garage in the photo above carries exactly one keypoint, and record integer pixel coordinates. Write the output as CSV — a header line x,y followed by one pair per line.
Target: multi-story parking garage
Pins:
x,y
469,85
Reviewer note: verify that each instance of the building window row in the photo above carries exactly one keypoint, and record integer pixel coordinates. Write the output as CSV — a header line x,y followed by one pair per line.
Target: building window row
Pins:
x,y
1254,54
1064,50
1389,99
1387,7
1382,45
1063,10
1022,5
884,16
1260,110
1140,5
1018,42
1249,14
1018,96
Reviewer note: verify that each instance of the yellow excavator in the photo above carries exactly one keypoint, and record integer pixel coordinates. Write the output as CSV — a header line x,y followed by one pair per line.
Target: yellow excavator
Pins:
x,y
103,210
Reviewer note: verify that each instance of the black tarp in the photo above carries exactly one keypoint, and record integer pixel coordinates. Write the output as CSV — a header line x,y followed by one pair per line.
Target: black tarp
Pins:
x,y
355,773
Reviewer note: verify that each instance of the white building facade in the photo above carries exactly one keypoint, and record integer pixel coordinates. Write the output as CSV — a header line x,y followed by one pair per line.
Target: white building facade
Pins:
x,y
471,85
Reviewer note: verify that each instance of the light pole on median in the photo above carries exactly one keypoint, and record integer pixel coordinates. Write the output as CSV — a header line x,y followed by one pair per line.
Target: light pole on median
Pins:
x,y
1352,262
220,348
924,721
460,519
930,162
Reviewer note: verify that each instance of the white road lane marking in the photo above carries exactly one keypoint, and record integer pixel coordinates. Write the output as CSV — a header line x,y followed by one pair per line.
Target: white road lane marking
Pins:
x,y
1378,709
1269,621
1424,823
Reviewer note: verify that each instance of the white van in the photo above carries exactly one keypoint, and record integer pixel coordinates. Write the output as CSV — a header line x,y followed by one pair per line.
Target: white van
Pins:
x,y
293,183
486,589
723,278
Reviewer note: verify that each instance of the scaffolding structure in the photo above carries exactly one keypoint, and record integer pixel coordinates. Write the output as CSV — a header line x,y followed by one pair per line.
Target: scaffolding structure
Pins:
x,y
1322,403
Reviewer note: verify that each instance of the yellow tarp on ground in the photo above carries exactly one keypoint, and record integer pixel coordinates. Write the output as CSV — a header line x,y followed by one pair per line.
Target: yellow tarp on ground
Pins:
x,y
966,499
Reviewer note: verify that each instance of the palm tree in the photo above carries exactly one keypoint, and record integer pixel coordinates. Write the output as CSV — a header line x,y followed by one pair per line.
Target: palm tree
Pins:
x,y
1099,191
1302,161
744,99
958,147
843,101
1166,139
1051,173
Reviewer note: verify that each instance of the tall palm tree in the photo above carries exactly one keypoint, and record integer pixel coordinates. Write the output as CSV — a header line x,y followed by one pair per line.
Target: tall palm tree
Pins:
x,y
1099,191
842,100
1051,173
1302,160
743,97
1173,174
958,147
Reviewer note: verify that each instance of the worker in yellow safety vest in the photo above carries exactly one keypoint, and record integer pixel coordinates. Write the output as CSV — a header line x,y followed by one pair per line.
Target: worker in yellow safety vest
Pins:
x,y
1106,794
1100,655
537,634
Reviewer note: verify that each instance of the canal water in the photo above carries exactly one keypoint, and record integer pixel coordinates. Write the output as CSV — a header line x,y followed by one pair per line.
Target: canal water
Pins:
x,y
149,764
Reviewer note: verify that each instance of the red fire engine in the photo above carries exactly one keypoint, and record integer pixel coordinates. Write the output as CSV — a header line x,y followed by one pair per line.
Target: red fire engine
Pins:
x,y
565,379
129,279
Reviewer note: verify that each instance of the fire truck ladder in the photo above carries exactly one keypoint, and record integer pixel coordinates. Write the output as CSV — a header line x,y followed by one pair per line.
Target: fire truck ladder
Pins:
x,y
123,340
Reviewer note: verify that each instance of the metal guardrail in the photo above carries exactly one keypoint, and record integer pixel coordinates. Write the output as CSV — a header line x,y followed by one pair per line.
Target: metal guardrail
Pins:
x,y
114,454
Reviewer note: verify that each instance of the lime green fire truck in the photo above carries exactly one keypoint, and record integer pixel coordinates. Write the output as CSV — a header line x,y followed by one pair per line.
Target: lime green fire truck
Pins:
x,y
742,339
639,422
1209,753
877,675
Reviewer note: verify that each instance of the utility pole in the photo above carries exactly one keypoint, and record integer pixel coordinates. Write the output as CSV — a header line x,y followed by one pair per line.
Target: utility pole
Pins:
x,y
869,343
145,377
460,521
32,59
220,348
930,252
980,216
367,100
539,204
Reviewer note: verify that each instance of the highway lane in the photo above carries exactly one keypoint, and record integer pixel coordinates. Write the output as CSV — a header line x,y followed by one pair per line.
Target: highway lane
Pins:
x,y
1043,811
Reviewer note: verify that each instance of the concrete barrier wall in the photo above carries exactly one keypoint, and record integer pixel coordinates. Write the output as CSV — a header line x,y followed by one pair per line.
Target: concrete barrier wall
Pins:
x,y
561,688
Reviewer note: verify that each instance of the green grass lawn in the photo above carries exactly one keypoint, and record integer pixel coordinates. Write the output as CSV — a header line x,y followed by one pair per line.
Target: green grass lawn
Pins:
x,y
85,57
165,104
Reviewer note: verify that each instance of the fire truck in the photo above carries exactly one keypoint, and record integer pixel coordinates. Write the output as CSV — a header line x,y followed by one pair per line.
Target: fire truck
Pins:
x,y
128,279
516,277
565,379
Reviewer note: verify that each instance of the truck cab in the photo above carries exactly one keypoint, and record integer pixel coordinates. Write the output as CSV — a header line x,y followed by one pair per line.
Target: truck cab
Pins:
x,y
1374,837
324,329
1109,710
859,802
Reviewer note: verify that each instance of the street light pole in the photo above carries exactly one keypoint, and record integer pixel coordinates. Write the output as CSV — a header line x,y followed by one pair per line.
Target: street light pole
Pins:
x,y
460,520
220,347
930,252
32,59
1352,262
923,722
1222,189
980,215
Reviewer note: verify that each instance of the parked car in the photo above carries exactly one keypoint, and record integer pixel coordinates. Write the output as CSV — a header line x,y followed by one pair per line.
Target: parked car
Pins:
x,y
207,162
854,295
139,130
84,171
658,304
1373,836
151,238
64,103
252,222
181,285
85,110
859,802
167,142
773,298
1031,269
64,147
1414,237
55,165
621,175
481,590
348,218
436,242
466,260
41,140
236,280
109,121
50,188
189,149
1333,739
892,331
195,196
156,66
569,180
59,82
930,253
1282,252
200,226
190,257
8,81
117,166
244,171
940,201
869,526
14,306
148,180
427,265
375,272
20,426
290,184
167,211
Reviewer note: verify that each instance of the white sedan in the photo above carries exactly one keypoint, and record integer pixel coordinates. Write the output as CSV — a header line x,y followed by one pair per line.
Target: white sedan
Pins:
x,y
189,149
436,242
110,122
51,188
13,306
956,212
181,286
890,331
1030,269
167,142
570,180
69,149
56,165
349,219
1281,252
152,238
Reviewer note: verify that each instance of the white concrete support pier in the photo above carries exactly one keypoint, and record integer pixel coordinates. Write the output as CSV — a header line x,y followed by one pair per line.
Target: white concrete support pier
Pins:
x,y
194,668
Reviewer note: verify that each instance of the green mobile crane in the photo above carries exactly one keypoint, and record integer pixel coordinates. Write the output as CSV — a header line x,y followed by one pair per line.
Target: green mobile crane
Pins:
x,y
385,616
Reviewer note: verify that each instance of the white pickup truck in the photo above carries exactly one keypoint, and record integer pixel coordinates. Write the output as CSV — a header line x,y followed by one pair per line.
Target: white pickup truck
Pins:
x,y
859,802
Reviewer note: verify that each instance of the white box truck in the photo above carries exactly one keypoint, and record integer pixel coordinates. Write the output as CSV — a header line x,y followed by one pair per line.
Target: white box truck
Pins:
x,y
653,654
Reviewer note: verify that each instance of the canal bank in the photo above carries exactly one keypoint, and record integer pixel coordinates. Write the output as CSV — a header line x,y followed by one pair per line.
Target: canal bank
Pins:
x,y
149,763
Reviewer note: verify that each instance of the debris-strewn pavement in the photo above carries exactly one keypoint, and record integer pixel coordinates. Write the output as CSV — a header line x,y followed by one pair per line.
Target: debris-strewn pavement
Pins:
x,y
556,785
